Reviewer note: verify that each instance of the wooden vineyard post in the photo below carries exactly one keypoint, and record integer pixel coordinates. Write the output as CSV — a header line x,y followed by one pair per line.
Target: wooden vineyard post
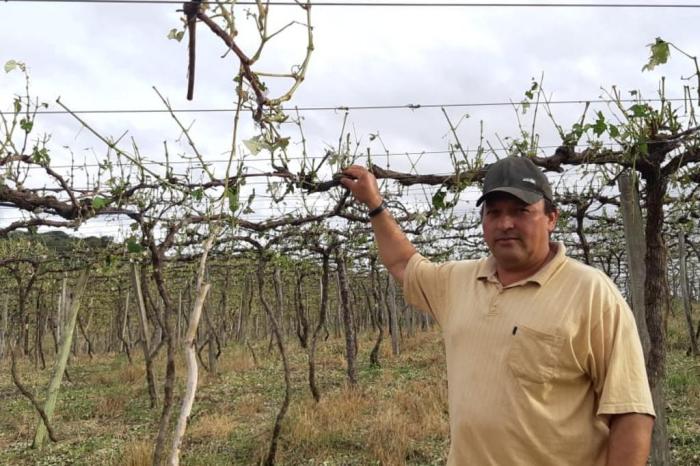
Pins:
x,y
393,315
687,308
635,242
72,305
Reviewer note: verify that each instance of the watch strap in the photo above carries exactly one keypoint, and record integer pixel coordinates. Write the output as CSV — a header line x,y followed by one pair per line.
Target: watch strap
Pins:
x,y
377,210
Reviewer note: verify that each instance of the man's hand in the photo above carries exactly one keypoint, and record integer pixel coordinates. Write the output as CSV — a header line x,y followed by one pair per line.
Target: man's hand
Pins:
x,y
363,185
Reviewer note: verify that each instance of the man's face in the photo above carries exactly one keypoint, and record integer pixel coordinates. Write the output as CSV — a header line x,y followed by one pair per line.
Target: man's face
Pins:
x,y
517,233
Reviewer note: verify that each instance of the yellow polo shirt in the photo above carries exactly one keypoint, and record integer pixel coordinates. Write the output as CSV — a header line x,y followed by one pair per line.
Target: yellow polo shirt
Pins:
x,y
534,368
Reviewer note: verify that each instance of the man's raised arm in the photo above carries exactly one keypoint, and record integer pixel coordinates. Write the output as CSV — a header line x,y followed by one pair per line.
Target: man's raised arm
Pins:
x,y
395,249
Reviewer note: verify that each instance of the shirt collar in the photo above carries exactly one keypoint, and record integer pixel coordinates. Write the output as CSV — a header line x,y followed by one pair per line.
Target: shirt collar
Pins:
x,y
487,268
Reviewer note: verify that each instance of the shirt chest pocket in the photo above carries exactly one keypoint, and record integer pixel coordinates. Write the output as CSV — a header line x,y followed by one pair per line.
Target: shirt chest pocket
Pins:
x,y
534,356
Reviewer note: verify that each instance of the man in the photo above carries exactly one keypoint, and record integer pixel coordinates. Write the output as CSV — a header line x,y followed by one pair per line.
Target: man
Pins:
x,y
544,363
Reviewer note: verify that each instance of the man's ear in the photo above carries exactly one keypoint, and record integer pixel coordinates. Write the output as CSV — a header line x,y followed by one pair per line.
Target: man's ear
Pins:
x,y
553,217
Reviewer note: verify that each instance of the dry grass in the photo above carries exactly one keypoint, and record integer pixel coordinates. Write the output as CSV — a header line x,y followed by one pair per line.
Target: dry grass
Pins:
x,y
425,403
413,414
21,426
387,425
129,374
236,359
137,453
250,406
111,406
320,423
389,438
212,427
397,415
132,373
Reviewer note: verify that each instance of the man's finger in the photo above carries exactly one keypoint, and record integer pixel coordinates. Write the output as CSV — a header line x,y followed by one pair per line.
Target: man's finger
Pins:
x,y
354,170
348,182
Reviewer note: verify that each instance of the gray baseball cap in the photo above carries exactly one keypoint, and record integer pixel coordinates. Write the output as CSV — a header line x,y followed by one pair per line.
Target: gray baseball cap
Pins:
x,y
519,177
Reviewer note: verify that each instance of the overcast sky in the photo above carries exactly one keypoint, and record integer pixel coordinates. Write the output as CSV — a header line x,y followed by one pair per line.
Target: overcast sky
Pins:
x,y
109,57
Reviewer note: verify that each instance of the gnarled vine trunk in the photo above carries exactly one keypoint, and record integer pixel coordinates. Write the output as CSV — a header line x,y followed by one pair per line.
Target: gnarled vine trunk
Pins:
x,y
655,301
348,324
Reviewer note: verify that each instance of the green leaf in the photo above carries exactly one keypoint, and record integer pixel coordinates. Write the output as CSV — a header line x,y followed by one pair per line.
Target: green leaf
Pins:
x,y
10,66
40,156
644,148
13,65
26,125
639,110
530,94
133,246
525,106
232,195
254,145
197,194
613,131
174,34
660,52
600,126
17,105
281,143
439,200
98,202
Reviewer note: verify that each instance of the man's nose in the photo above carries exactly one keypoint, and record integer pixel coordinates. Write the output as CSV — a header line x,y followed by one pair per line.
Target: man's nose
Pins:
x,y
505,222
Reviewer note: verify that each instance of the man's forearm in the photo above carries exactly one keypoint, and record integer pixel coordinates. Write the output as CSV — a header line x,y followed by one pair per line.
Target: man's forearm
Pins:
x,y
395,249
630,439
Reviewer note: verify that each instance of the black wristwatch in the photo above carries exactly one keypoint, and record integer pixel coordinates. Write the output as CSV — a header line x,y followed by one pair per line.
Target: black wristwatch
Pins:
x,y
377,210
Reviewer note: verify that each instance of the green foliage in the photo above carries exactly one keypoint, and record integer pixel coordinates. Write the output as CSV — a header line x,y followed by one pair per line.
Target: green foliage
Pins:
x,y
258,143
232,195
197,194
248,209
40,155
659,54
175,34
133,246
254,145
530,93
599,127
26,125
439,199
640,111
98,202
12,65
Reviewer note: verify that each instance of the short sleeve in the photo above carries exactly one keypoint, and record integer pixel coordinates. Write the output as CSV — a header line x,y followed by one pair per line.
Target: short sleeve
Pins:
x,y
617,361
425,285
